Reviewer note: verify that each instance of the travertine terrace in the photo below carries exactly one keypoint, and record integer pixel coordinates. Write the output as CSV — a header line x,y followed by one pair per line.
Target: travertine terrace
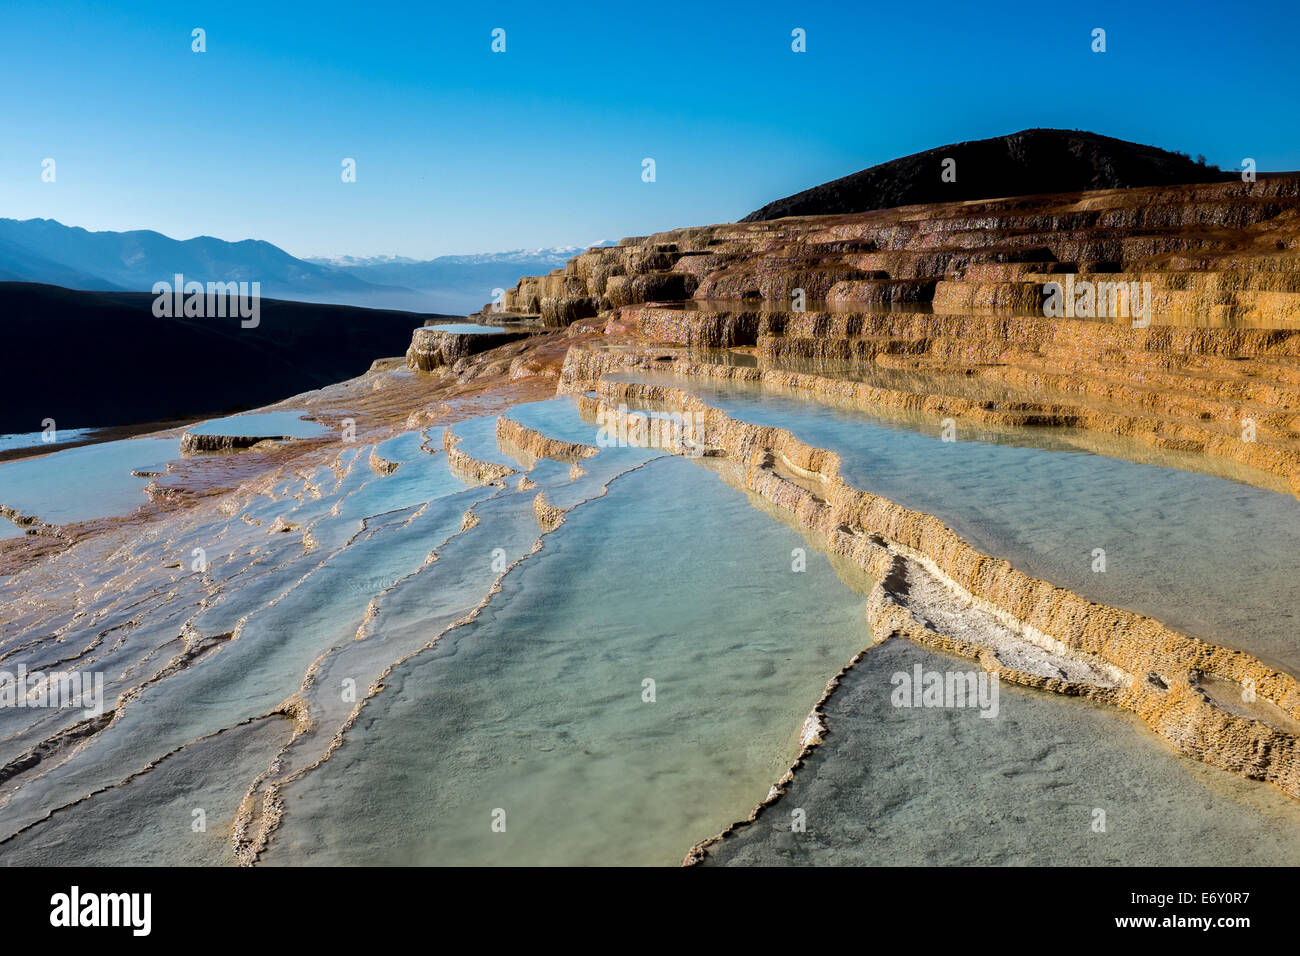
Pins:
x,y
935,312
955,293
938,310
432,347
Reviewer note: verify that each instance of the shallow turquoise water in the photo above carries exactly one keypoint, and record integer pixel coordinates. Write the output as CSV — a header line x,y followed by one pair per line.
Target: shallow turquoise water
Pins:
x,y
898,786
279,424
478,439
35,439
89,481
404,447
557,418
468,328
1209,556
151,818
288,604
537,707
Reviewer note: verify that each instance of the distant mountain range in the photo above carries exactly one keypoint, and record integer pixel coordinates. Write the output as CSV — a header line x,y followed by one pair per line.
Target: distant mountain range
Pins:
x,y
46,251
1033,161
460,284
514,256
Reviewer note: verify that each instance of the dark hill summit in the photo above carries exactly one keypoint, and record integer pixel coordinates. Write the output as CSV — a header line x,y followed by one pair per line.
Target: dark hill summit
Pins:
x,y
1030,162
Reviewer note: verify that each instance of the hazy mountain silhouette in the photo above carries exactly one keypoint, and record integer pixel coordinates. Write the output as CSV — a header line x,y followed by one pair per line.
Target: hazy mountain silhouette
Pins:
x,y
461,283
44,250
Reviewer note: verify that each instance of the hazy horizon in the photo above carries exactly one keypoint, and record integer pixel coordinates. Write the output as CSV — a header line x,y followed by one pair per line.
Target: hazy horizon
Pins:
x,y
460,149
574,247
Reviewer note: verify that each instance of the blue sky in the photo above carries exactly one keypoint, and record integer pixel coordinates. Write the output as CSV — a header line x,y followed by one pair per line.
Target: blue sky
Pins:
x,y
462,150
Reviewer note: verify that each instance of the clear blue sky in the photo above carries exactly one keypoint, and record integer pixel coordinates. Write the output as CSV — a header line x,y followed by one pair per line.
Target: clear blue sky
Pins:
x,y
462,150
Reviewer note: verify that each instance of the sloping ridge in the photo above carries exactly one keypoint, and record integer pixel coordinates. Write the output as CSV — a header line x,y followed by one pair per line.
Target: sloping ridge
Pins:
x,y
104,358
1029,162
47,251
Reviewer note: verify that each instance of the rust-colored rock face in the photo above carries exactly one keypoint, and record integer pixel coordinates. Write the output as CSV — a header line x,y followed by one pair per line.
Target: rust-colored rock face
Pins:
x,y
192,444
433,348
1202,358
1219,253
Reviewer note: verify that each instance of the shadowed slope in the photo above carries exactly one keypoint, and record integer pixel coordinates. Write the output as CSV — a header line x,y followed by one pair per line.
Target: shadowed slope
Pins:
x,y
105,359
1027,163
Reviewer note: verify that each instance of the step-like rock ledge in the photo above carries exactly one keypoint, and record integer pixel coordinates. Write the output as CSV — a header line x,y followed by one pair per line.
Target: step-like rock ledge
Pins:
x,y
432,347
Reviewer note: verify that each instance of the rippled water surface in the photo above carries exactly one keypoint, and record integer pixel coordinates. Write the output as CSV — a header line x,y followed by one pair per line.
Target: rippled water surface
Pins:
x,y
630,683
1050,781
1213,557
540,708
